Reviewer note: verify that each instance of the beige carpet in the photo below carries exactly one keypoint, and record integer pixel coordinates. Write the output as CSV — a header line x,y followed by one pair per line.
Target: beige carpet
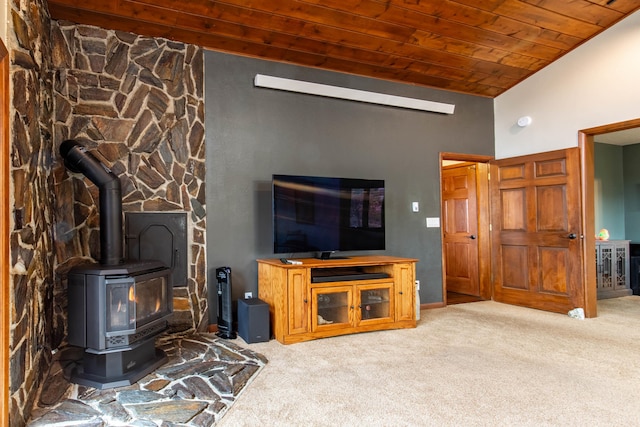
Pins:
x,y
476,364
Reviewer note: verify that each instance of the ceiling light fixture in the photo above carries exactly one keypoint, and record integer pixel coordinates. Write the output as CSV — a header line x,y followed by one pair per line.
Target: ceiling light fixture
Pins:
x,y
351,94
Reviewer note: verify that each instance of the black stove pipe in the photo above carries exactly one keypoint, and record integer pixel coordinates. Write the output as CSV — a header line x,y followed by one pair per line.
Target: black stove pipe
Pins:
x,y
78,159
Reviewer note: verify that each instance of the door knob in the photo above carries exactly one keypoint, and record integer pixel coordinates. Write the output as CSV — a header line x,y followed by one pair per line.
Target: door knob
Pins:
x,y
572,236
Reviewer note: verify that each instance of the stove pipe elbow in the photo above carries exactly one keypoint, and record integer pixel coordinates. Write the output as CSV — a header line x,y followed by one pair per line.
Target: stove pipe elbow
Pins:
x,y
78,159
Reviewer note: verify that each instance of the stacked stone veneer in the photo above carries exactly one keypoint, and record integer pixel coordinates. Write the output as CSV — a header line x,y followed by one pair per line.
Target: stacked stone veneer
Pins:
x,y
137,104
32,203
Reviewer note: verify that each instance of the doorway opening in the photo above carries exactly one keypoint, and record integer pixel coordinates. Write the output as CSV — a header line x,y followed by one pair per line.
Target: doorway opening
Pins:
x,y
587,148
464,198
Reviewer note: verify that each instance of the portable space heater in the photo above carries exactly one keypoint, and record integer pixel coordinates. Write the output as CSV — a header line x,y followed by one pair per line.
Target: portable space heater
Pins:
x,y
225,309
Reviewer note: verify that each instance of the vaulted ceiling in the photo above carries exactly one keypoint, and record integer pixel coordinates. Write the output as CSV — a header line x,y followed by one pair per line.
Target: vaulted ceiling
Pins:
x,y
480,47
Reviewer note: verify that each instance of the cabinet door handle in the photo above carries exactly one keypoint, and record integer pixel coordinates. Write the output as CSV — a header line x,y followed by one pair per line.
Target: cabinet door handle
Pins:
x,y
472,237
572,236
305,300
400,292
352,307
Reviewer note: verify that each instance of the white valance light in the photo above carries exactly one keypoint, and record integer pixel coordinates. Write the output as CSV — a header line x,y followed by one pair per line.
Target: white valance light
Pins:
x,y
299,86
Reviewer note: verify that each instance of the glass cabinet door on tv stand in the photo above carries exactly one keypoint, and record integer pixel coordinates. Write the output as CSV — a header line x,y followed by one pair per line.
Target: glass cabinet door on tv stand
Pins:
x,y
332,307
375,303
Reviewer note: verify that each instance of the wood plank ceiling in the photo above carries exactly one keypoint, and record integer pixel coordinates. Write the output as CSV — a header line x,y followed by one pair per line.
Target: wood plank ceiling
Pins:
x,y
480,47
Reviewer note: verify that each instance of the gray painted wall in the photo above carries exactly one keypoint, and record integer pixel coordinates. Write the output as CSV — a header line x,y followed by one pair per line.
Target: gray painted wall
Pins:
x,y
631,172
252,133
609,190
617,194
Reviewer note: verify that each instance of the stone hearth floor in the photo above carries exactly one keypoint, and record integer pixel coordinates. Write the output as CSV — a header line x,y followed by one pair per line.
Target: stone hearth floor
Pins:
x,y
202,378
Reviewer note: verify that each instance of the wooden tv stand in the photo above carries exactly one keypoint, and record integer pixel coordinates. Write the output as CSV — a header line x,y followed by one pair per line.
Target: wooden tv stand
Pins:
x,y
324,298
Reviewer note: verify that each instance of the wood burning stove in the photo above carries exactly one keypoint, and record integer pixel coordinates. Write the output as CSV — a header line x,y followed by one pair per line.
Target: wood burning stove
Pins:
x,y
115,314
116,308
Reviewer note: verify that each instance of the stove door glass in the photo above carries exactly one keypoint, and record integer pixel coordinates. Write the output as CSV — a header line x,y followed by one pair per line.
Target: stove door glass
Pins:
x,y
151,300
120,304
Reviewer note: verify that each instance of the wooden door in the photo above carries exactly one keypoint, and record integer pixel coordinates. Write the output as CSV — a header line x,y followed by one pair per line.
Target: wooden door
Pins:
x,y
537,242
460,229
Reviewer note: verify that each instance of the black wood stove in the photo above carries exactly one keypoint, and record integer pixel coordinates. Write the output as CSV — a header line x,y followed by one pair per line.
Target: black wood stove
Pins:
x,y
116,308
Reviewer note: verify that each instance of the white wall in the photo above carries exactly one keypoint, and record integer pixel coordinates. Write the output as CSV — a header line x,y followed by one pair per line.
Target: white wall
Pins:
x,y
596,84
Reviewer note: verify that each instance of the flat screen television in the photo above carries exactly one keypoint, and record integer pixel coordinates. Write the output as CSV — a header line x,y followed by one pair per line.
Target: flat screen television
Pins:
x,y
326,215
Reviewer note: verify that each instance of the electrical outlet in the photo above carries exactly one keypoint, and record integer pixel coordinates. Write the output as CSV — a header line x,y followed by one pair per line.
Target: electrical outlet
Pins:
x,y
418,284
248,295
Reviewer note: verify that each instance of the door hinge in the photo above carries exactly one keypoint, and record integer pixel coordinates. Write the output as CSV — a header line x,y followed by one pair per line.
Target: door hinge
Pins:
x,y
490,227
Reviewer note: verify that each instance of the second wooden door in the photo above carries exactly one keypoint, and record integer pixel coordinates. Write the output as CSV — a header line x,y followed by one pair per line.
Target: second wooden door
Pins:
x,y
460,229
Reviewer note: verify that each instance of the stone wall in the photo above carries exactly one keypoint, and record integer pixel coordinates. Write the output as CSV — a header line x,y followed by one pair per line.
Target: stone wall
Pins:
x,y
137,104
32,247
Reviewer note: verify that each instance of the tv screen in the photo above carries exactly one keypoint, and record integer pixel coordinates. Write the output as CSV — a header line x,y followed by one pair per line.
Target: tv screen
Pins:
x,y
325,215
